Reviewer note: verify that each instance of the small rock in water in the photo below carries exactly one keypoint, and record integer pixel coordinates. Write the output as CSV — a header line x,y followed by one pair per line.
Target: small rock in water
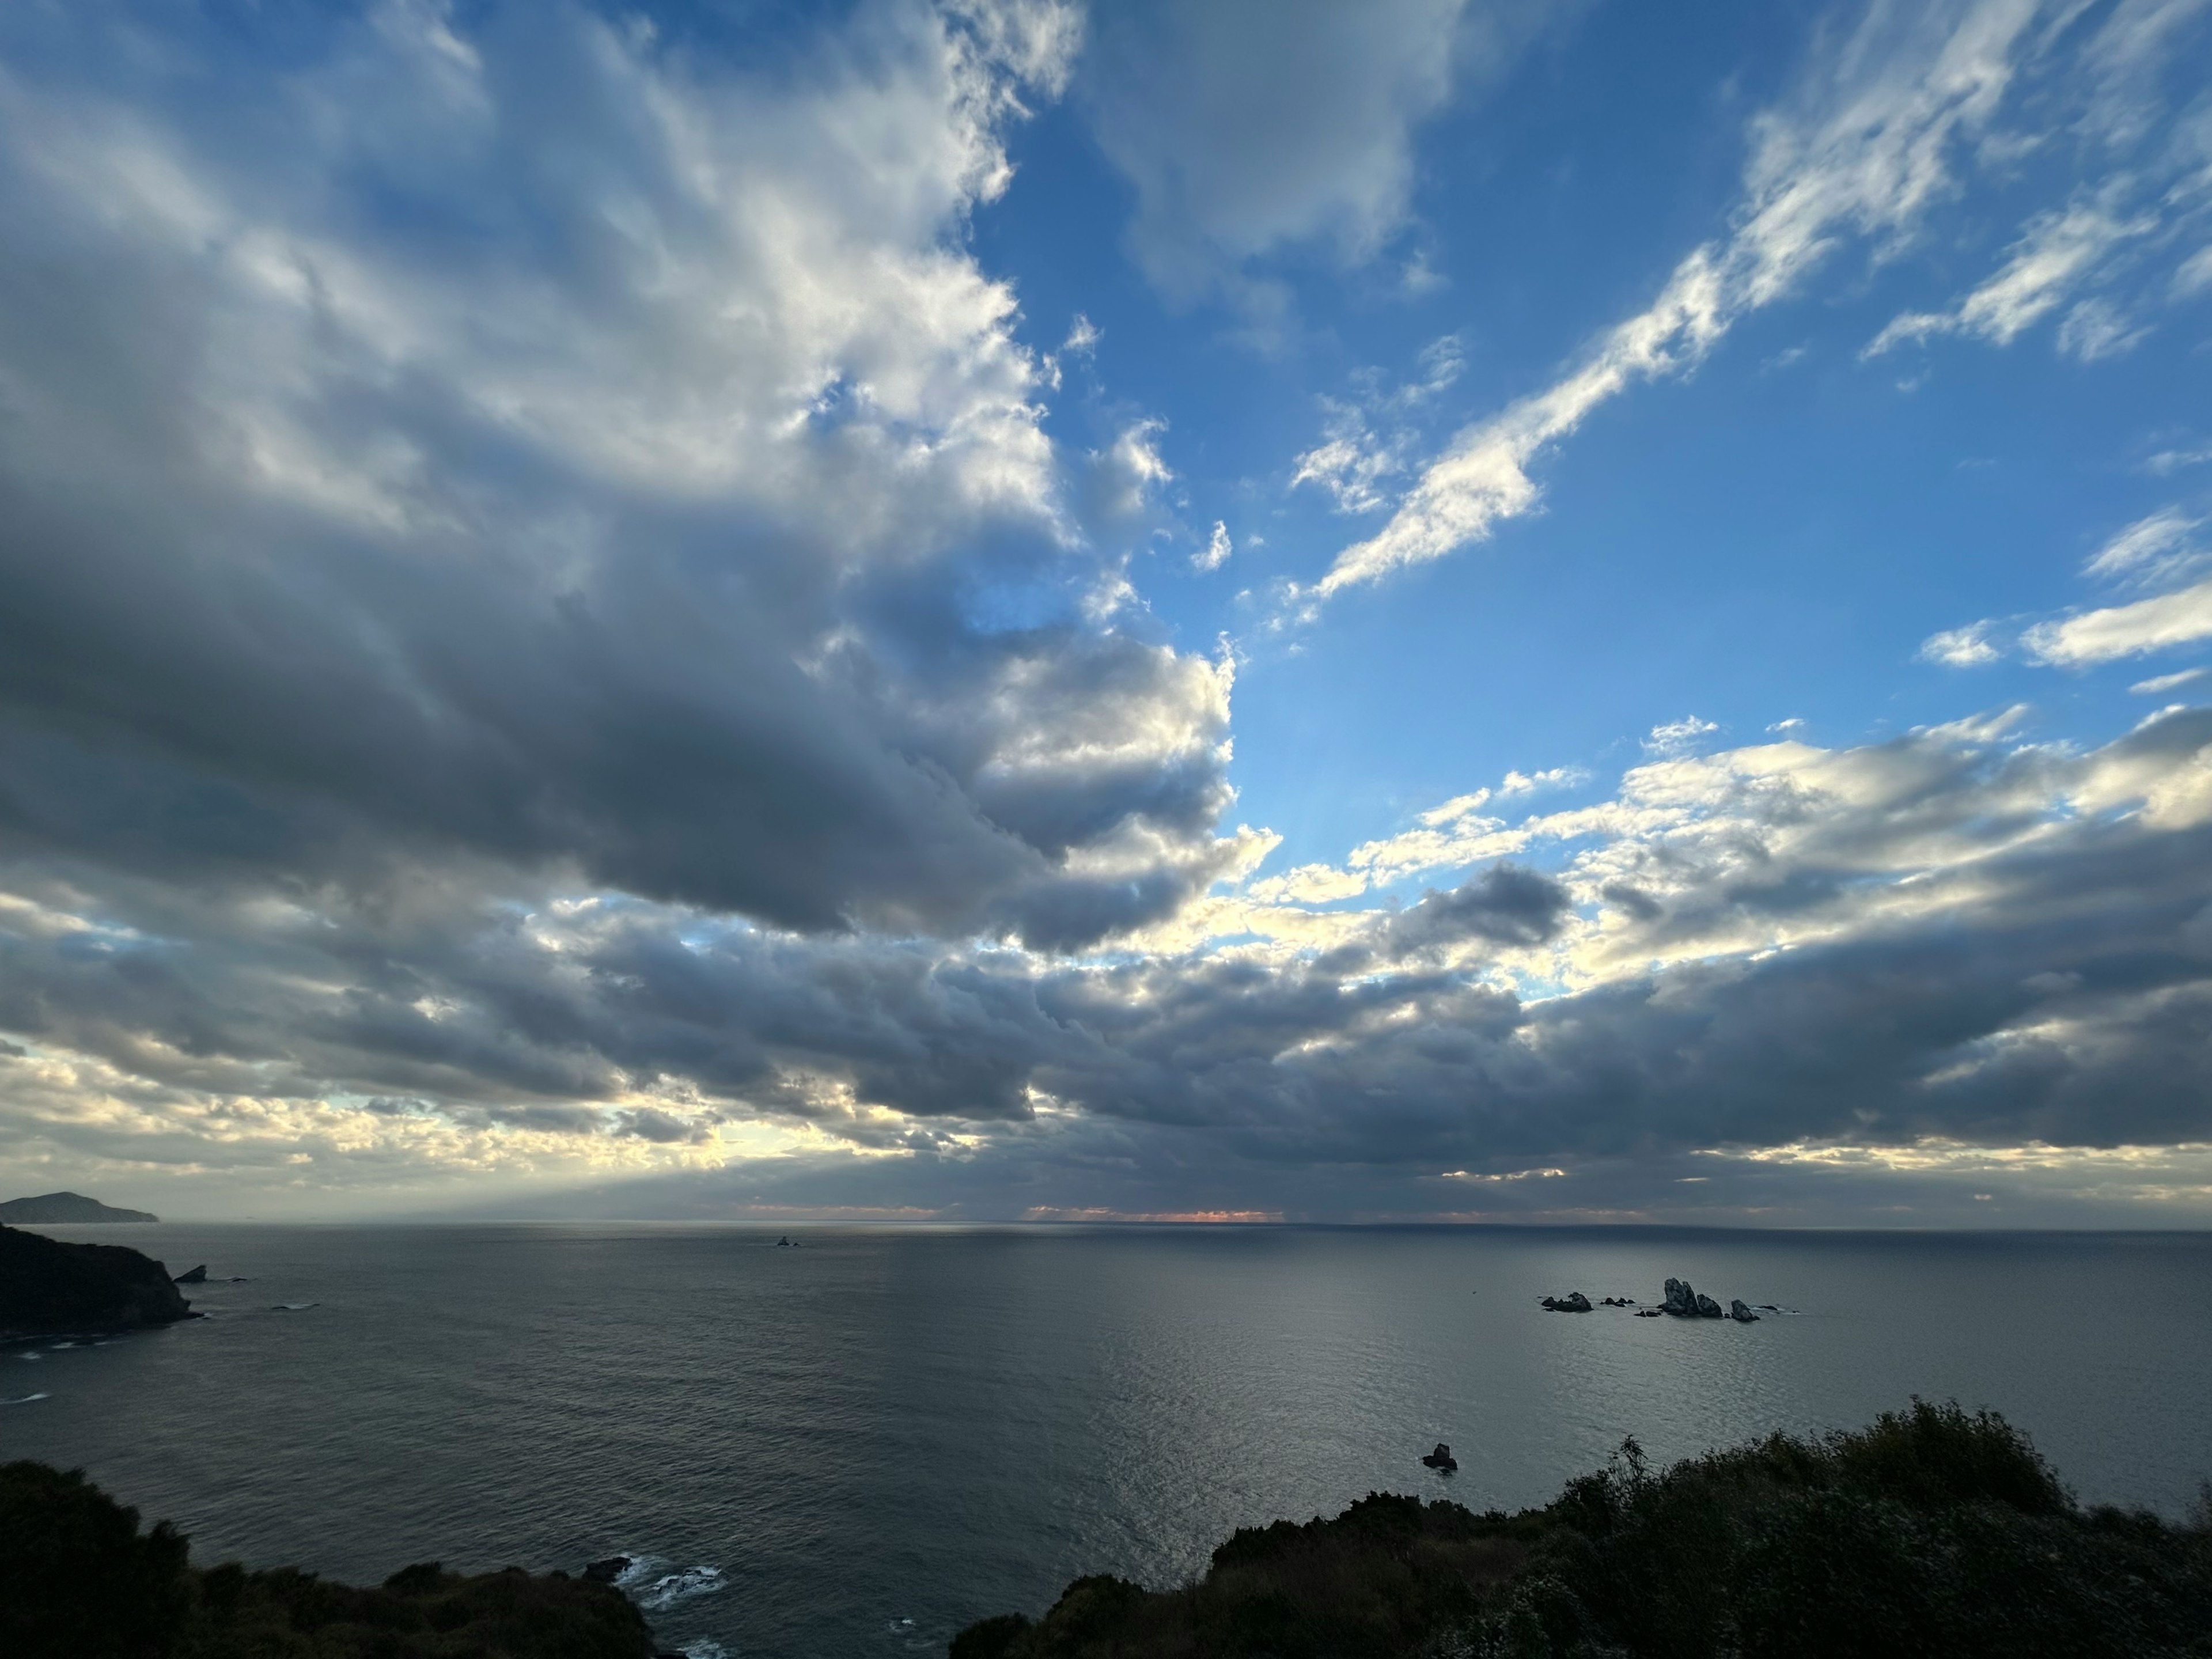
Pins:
x,y
1441,1458
606,1572
1709,1308
192,1276
1647,1313
1740,1313
1574,1301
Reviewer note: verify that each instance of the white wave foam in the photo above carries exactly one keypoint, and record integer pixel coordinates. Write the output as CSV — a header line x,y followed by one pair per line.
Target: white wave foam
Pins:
x,y
665,1591
22,1400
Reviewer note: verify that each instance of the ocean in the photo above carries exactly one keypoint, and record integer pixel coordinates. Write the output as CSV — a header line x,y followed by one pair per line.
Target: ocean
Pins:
x,y
855,1446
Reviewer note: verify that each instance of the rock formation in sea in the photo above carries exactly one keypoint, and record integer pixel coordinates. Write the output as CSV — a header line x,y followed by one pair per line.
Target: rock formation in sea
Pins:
x,y
1740,1313
192,1276
1573,1302
56,1209
48,1288
1442,1459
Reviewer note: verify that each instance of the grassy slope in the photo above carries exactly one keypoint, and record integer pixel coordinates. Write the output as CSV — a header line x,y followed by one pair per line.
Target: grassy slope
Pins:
x,y
1930,1533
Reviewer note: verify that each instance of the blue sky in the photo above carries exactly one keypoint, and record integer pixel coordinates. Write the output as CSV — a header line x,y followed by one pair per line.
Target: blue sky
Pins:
x,y
985,609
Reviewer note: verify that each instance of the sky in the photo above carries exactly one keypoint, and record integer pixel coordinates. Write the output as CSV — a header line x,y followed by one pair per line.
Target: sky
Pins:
x,y
984,610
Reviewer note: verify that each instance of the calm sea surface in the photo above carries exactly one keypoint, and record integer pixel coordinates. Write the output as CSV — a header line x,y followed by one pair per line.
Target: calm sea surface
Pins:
x,y
855,1447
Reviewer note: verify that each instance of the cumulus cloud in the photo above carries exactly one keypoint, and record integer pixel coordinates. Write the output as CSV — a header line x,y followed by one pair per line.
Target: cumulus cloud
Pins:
x,y
581,456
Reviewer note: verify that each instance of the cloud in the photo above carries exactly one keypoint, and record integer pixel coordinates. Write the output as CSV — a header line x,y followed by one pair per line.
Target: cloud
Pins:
x,y
1216,552
405,486
2162,683
2156,548
1247,128
1866,147
2055,252
2126,630
1910,956
1961,647
1677,736
1506,905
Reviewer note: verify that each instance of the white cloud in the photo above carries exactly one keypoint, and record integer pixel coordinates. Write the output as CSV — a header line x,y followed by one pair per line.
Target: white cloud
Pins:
x,y
2127,631
1529,783
1864,148
2167,462
2194,275
2162,683
2055,252
2097,329
1124,475
1784,727
1368,438
1960,647
1678,737
1216,552
2156,548
1083,336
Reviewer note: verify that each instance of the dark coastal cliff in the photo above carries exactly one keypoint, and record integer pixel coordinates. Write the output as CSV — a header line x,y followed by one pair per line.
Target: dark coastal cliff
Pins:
x,y
1930,1533
78,1580
55,1209
47,1287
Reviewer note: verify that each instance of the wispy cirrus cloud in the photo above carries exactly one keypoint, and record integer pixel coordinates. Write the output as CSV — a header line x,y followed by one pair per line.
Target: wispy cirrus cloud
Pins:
x,y
1874,139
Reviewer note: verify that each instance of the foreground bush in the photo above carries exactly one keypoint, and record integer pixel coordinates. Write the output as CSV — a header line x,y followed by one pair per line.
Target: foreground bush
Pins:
x,y
78,1580
1931,1533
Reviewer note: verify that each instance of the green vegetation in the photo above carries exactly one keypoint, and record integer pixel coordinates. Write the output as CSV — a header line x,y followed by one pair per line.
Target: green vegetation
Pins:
x,y
77,1578
1933,1532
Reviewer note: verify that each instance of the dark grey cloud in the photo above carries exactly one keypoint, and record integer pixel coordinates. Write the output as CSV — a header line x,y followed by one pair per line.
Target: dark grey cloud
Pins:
x,y
1506,904
369,497
2065,1001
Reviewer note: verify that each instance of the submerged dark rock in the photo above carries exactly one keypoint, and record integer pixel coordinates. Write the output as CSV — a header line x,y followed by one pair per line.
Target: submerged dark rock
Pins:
x,y
606,1572
48,1288
58,1209
1573,1302
192,1276
1442,1459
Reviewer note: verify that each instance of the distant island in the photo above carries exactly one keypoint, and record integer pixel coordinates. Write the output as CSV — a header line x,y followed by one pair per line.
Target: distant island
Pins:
x,y
1930,1532
56,1209
48,1288
78,1577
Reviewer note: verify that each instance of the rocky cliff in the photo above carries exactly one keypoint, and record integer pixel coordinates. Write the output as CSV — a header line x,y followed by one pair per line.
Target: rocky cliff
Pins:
x,y
47,1287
